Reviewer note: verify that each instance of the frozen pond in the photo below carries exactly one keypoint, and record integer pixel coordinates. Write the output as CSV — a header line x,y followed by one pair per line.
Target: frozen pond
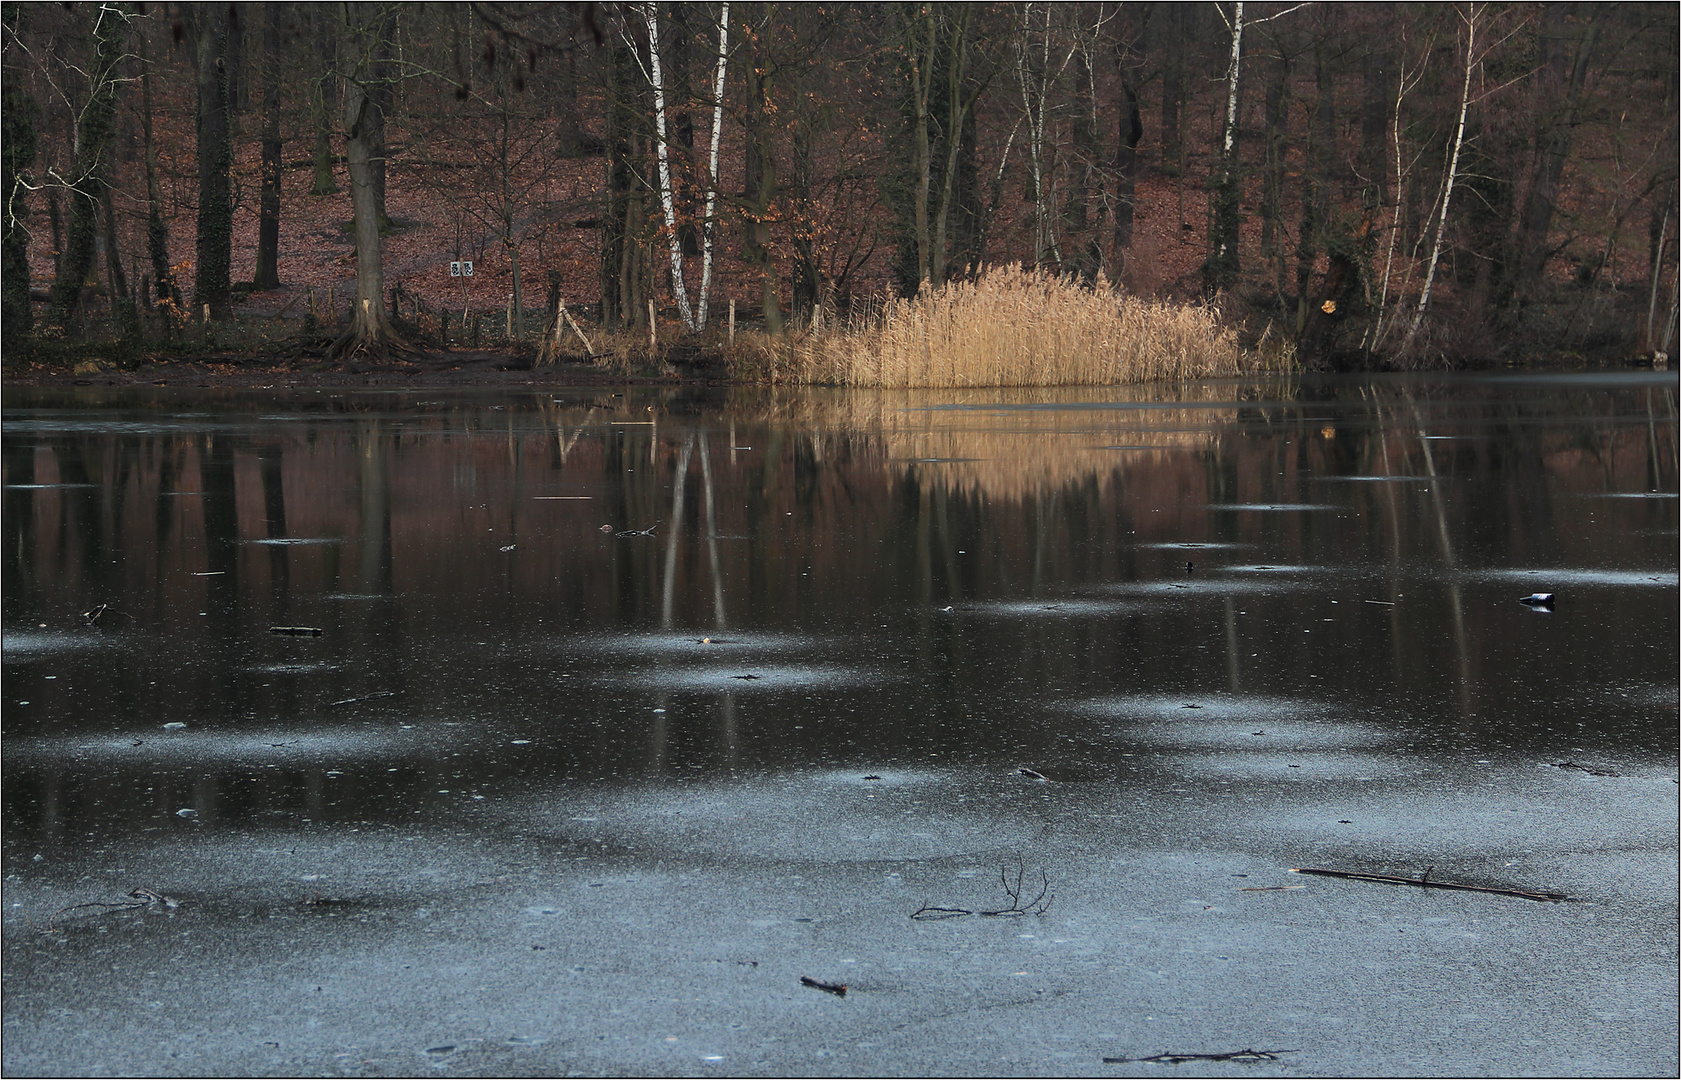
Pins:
x,y
494,733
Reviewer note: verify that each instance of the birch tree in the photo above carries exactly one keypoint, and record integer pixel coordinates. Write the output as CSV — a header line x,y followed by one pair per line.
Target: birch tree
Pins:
x,y
708,222
1221,270
1404,84
1033,72
1227,188
662,153
692,321
1469,18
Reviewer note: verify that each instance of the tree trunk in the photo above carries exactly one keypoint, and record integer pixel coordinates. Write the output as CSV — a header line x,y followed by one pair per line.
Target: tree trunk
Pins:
x,y
91,169
1449,180
1087,257
761,179
680,95
369,332
656,78
519,291
707,224
17,154
1129,52
921,33
211,279
268,224
1033,62
321,100
1316,195
569,128
122,304
381,81
1374,130
157,227
1222,268
1272,192
1560,84
238,87
1173,87
616,236
56,224
959,102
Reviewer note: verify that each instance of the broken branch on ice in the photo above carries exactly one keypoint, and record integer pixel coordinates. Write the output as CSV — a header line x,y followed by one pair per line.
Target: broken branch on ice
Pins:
x,y
1036,906
1180,1059
837,989
1425,882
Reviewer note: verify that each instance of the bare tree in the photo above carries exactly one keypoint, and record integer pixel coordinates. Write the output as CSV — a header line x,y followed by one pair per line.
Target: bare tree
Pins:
x,y
267,274
17,155
369,332
91,168
1469,17
157,226
212,287
692,320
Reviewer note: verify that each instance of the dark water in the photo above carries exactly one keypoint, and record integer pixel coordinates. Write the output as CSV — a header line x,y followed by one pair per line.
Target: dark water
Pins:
x,y
518,590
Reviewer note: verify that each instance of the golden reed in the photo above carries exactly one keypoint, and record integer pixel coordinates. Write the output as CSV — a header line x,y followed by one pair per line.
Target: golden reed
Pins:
x,y
1012,327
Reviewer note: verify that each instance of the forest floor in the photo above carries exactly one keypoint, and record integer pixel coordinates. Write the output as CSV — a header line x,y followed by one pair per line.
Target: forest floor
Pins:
x,y
278,337
266,341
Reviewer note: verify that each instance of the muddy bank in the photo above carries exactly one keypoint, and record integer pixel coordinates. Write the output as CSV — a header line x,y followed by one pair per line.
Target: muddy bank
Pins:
x,y
463,368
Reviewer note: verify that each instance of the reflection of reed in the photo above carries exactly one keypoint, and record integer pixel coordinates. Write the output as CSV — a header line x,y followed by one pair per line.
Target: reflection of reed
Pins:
x,y
1012,443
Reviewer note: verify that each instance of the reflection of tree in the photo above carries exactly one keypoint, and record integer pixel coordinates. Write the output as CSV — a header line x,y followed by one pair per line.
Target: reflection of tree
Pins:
x,y
825,524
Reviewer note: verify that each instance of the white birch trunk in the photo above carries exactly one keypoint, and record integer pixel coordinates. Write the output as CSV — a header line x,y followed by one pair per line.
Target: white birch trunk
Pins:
x,y
1229,137
1035,99
712,165
1395,222
1447,184
657,78
1232,71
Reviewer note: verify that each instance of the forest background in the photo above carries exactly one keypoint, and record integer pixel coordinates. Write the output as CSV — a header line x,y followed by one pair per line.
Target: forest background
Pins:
x,y
1371,185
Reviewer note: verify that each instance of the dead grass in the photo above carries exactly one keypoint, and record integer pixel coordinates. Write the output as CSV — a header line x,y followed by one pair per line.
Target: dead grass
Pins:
x,y
1010,327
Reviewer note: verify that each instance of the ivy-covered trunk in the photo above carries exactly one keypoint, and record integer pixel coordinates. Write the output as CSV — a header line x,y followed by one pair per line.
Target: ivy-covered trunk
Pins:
x,y
17,154
94,125
157,229
268,217
211,280
322,101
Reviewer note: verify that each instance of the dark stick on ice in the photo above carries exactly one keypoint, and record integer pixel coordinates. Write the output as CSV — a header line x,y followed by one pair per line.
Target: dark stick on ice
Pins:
x,y
837,989
1425,882
1180,1059
363,697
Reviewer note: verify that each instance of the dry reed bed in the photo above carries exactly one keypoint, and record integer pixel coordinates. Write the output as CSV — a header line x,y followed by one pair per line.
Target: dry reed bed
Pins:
x,y
1014,327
